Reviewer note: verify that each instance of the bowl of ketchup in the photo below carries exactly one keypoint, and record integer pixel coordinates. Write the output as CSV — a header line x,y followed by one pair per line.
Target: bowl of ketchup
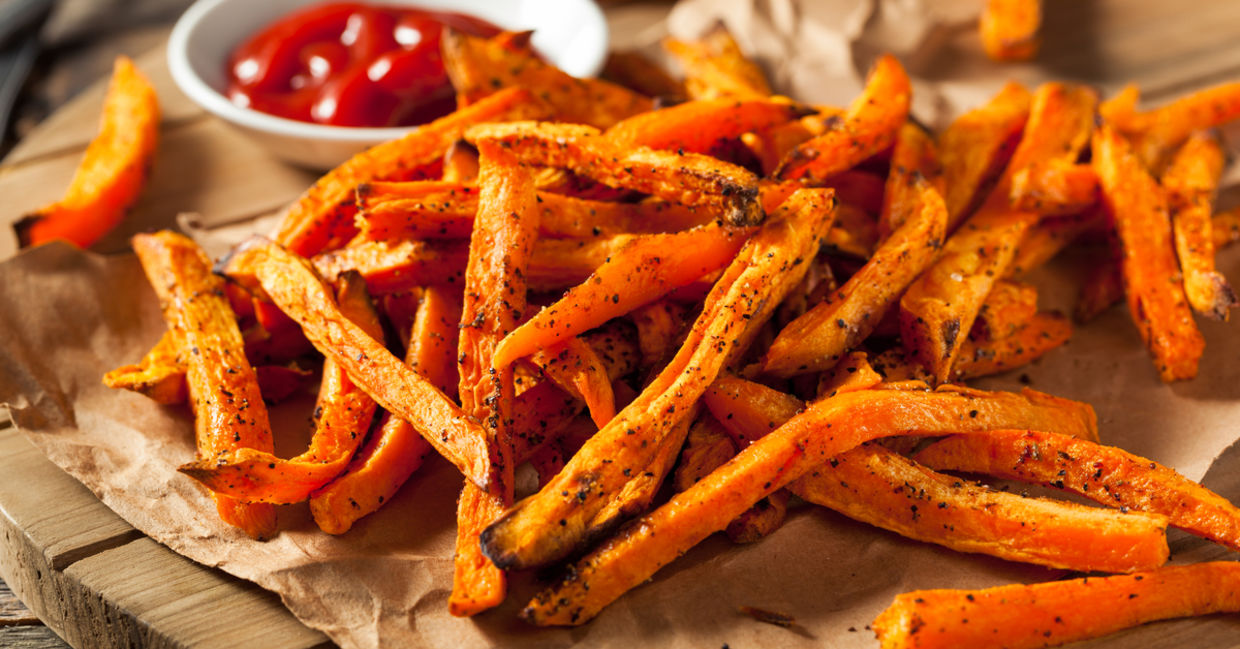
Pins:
x,y
316,81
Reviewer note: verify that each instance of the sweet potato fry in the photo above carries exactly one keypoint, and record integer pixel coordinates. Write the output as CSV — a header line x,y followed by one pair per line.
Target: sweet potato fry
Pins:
x,y
420,209
460,163
938,310
1159,132
759,521
228,409
432,341
698,125
861,189
479,66
895,367
659,325
1057,612
435,210
1191,181
1048,237
1103,287
322,219
495,299
1120,110
1054,188
707,447
1042,333
112,171
1008,307
818,339
914,154
292,284
640,272
976,147
635,496
394,267
550,524
558,264
1009,29
576,369
853,372
160,374
633,70
855,232
686,178
1106,474
395,450
826,429
544,413
869,126
1225,227
342,417
716,68
1139,209
748,410
876,486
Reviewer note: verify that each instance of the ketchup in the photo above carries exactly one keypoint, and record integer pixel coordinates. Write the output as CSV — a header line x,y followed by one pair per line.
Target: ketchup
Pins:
x,y
350,64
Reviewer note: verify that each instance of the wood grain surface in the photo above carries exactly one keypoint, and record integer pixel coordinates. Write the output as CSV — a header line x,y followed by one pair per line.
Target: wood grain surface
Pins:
x,y
59,546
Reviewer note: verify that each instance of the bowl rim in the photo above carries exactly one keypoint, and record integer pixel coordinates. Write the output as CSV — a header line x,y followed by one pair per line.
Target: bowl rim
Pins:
x,y
216,103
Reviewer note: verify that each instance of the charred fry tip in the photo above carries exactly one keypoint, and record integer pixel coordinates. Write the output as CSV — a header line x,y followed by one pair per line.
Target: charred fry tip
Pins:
x,y
488,541
23,226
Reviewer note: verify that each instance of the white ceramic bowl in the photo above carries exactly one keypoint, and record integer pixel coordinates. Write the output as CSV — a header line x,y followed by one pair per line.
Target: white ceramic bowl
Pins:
x,y
572,34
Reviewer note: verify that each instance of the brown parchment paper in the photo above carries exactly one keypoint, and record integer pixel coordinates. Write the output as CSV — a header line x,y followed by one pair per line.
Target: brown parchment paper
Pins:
x,y
66,317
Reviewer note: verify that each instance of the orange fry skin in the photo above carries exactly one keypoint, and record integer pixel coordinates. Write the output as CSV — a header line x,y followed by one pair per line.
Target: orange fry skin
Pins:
x,y
160,375
819,338
495,298
1009,29
716,68
392,267
687,178
435,210
1159,307
1009,307
826,429
322,218
1042,333
1159,132
869,126
577,369
1054,188
290,282
342,417
552,523
637,72
874,485
913,155
938,310
1109,475
479,66
877,486
1057,612
975,148
229,412
643,270
1191,181
697,125
1103,287
112,171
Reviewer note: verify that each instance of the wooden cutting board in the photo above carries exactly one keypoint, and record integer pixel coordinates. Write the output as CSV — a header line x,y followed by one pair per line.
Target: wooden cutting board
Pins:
x,y
100,583
61,549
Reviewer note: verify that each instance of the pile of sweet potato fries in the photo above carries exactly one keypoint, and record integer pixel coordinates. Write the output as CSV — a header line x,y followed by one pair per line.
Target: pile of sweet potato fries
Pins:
x,y
730,297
